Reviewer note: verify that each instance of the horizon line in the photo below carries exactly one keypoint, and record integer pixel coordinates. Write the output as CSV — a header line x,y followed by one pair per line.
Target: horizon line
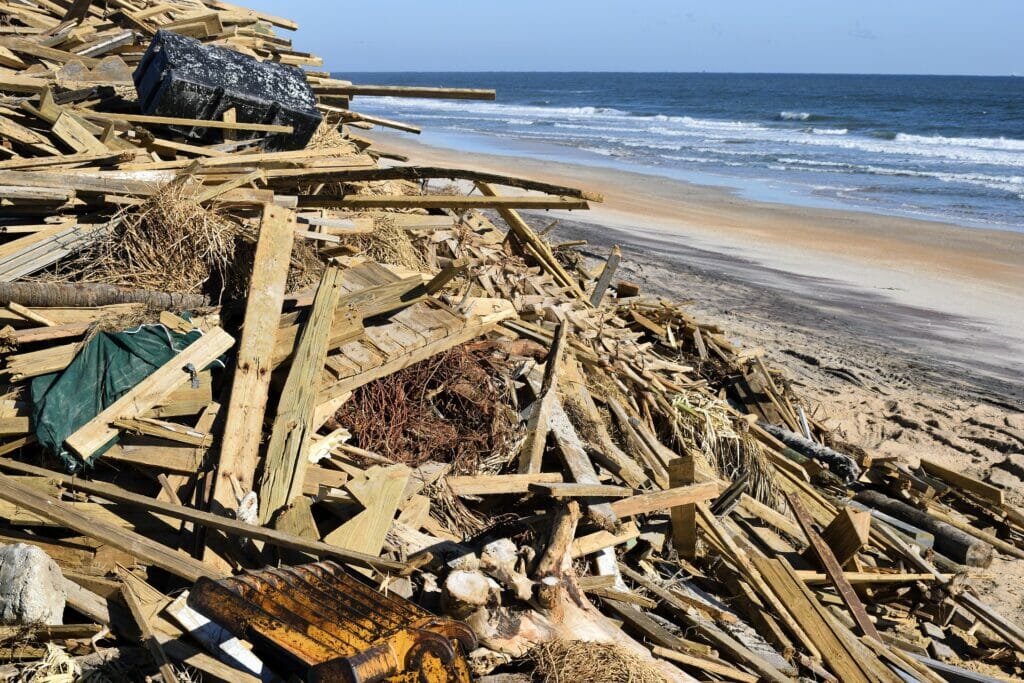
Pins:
x,y
719,73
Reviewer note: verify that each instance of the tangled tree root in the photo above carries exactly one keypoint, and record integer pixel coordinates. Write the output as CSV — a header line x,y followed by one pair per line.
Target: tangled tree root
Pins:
x,y
451,408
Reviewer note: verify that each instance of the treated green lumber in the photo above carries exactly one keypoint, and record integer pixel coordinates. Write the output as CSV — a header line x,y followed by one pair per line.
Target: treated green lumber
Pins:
x,y
350,90
427,172
662,501
207,519
442,201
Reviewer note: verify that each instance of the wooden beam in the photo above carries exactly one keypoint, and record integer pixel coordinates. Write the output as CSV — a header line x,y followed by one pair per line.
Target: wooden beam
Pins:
x,y
187,514
606,276
239,450
427,172
349,90
833,569
682,472
661,501
134,603
187,123
284,468
442,201
500,484
531,452
98,432
958,480
574,490
65,515
846,535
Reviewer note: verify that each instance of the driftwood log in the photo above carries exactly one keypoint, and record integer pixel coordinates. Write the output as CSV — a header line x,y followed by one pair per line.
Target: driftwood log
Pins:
x,y
949,541
840,464
84,295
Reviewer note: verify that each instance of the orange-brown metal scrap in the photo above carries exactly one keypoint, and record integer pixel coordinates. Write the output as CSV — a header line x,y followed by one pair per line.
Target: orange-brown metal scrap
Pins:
x,y
320,622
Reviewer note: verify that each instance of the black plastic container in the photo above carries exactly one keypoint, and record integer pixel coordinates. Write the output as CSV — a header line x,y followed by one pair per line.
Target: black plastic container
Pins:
x,y
183,78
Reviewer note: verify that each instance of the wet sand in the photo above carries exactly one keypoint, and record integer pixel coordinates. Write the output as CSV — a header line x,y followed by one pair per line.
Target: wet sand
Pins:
x,y
952,297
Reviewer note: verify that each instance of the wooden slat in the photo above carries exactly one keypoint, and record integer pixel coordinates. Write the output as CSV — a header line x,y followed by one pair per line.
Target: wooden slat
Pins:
x,y
284,468
239,451
98,432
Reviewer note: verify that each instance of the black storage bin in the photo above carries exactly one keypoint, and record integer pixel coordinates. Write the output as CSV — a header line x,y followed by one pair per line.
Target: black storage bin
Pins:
x,y
180,77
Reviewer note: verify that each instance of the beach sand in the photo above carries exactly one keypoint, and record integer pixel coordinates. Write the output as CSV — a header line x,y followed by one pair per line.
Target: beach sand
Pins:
x,y
905,336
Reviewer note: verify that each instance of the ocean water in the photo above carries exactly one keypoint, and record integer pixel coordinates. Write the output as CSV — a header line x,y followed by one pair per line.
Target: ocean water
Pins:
x,y
941,147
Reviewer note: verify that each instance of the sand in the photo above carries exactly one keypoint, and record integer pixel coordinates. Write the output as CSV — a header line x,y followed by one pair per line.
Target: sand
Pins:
x,y
906,336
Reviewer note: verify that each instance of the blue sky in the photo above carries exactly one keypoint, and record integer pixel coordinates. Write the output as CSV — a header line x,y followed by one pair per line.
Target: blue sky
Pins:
x,y
866,36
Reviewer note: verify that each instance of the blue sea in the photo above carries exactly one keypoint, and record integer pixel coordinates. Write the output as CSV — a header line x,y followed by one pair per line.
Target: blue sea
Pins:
x,y
949,148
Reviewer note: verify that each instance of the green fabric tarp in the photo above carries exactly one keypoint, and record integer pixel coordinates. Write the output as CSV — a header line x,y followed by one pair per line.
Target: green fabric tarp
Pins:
x,y
107,367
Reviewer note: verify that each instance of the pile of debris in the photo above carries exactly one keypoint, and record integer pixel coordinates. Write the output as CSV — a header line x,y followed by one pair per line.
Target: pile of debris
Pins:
x,y
273,407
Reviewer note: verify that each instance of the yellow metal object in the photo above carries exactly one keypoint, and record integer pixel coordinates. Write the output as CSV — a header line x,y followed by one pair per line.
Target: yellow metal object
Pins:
x,y
324,624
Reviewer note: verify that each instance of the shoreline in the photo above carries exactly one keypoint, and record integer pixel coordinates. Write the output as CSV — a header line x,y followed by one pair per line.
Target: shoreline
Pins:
x,y
945,292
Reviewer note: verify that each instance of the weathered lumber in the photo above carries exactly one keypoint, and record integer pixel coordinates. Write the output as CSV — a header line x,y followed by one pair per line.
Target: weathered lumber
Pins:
x,y
715,636
99,431
428,172
350,90
148,637
442,201
538,423
832,567
683,472
129,541
500,484
950,541
239,449
206,519
601,286
984,491
846,535
284,467
663,501
190,123
528,237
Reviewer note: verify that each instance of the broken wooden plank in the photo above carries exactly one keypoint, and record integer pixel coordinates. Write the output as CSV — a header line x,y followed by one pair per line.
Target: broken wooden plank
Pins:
x,y
239,450
284,467
98,432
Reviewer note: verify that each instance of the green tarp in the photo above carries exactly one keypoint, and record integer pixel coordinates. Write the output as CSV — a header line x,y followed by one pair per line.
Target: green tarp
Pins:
x,y
106,369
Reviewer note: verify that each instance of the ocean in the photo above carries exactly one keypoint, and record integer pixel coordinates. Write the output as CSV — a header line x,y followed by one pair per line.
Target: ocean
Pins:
x,y
947,148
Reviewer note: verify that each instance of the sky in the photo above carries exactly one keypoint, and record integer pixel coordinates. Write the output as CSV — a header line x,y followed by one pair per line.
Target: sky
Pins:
x,y
984,37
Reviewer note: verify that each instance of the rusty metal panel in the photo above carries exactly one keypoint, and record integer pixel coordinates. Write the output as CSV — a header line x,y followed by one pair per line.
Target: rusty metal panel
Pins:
x,y
322,623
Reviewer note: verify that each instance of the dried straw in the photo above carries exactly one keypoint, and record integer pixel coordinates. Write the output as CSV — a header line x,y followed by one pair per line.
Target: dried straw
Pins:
x,y
707,424
57,666
169,243
389,243
574,661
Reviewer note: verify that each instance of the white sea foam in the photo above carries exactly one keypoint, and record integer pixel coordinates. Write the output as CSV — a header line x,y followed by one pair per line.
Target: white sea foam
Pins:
x,y
984,143
794,115
830,131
